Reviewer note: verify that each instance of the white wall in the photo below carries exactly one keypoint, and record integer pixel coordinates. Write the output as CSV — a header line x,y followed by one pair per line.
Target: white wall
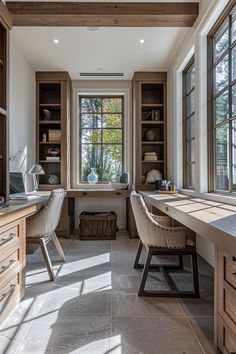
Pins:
x,y
117,205
194,43
22,113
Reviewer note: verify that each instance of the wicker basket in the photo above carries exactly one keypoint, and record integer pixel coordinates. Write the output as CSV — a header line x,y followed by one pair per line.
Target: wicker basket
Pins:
x,y
98,225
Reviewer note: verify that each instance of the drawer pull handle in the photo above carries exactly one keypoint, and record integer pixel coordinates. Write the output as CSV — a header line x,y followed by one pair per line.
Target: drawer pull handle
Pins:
x,y
7,239
118,193
234,267
7,296
4,268
84,193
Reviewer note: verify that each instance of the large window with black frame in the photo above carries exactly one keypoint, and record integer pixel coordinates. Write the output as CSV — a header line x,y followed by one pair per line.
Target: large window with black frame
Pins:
x,y
223,105
101,137
189,125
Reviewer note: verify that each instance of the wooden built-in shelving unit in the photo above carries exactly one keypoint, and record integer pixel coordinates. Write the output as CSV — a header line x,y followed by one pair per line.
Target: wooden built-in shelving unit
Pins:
x,y
149,99
53,100
5,26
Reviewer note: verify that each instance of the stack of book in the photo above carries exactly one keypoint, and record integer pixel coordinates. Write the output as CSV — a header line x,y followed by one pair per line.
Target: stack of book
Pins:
x,y
150,156
53,158
54,135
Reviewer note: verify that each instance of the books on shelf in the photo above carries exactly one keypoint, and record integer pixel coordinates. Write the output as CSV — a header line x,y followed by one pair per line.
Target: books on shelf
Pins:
x,y
150,156
54,135
53,158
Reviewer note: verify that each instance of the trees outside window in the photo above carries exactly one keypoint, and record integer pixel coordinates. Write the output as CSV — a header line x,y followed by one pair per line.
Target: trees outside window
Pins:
x,y
101,137
189,125
223,107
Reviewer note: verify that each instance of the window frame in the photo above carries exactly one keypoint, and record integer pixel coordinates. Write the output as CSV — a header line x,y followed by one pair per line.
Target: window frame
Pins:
x,y
185,117
80,129
225,18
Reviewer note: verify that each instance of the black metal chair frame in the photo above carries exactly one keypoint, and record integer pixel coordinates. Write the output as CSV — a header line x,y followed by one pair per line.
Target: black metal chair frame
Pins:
x,y
165,269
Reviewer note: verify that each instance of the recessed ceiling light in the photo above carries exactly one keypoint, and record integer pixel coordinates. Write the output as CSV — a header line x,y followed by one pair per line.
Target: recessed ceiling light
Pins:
x,y
141,41
56,41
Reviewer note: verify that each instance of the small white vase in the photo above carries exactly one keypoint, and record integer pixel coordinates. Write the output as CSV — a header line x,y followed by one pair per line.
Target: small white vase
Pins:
x,y
93,176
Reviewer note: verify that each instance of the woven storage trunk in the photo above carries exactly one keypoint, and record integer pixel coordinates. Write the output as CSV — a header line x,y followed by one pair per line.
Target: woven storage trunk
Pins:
x,y
98,225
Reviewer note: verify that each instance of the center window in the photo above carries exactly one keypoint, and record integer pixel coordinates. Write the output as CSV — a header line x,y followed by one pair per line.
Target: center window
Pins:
x,y
101,137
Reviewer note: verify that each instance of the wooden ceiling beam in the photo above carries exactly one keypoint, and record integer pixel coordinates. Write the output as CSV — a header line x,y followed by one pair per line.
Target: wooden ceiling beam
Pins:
x,y
100,14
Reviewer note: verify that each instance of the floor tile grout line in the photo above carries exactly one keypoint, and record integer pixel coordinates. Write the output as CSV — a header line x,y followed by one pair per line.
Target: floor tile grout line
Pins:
x,y
195,335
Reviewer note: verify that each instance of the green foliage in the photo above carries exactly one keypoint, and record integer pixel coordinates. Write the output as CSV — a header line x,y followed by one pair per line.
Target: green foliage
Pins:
x,y
101,137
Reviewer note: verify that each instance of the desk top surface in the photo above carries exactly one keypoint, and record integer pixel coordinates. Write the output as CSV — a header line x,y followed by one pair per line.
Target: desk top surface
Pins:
x,y
215,221
21,208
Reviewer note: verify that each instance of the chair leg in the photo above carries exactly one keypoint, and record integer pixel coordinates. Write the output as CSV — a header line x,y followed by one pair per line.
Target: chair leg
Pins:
x,y
195,275
139,251
141,291
46,258
58,247
181,263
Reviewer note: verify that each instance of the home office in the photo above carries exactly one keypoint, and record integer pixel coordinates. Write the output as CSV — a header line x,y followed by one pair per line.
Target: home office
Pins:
x,y
76,113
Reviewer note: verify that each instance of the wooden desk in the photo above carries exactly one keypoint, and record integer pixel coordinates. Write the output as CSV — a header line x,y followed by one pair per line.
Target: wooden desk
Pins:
x,y
12,251
109,193
217,223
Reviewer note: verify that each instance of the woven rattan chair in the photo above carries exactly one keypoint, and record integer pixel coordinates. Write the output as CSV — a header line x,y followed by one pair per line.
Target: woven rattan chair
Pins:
x,y
40,228
160,238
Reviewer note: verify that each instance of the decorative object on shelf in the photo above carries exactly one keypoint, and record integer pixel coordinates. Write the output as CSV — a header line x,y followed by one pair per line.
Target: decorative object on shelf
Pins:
x,y
54,135
150,135
93,176
158,183
148,115
166,185
52,158
36,170
54,151
156,114
150,156
46,114
44,137
153,175
53,179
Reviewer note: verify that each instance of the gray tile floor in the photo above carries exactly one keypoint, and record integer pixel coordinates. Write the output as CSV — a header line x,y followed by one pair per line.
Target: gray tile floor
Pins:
x,y
93,307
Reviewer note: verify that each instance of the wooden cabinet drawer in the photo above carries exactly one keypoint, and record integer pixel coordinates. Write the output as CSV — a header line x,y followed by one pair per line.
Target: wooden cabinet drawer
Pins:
x,y
229,304
226,338
9,242
230,270
9,268
10,296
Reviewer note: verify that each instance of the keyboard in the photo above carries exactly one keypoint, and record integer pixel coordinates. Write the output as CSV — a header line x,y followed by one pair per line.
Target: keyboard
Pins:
x,y
25,196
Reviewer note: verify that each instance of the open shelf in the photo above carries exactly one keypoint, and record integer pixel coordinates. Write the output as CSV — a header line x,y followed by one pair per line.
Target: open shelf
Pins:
x,y
50,105
153,122
49,122
153,142
157,161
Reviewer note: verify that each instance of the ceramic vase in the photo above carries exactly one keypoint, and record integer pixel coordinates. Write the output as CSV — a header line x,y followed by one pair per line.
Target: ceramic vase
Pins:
x,y
93,176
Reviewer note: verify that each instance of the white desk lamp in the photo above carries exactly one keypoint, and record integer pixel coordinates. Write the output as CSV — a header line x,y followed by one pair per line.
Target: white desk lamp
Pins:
x,y
36,170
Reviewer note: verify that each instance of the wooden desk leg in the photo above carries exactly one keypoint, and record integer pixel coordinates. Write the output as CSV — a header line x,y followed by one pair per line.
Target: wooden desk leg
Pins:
x,y
130,221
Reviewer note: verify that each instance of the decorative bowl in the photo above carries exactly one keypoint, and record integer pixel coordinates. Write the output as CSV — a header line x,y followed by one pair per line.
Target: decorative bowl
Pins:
x,y
54,151
117,185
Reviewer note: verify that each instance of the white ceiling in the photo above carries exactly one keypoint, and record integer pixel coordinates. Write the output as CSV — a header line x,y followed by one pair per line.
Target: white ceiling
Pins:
x,y
109,49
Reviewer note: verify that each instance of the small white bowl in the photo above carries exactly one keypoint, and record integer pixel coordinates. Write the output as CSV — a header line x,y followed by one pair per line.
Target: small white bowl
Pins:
x,y
117,185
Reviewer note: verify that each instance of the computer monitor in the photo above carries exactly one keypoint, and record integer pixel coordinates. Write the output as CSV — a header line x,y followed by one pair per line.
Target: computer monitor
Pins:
x,y
16,183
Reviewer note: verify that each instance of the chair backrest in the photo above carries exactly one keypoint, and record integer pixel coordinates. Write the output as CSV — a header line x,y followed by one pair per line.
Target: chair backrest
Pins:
x,y
149,231
46,220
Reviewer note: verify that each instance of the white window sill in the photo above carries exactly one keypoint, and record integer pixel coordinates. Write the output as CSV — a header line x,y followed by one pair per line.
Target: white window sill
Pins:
x,y
94,186
216,197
